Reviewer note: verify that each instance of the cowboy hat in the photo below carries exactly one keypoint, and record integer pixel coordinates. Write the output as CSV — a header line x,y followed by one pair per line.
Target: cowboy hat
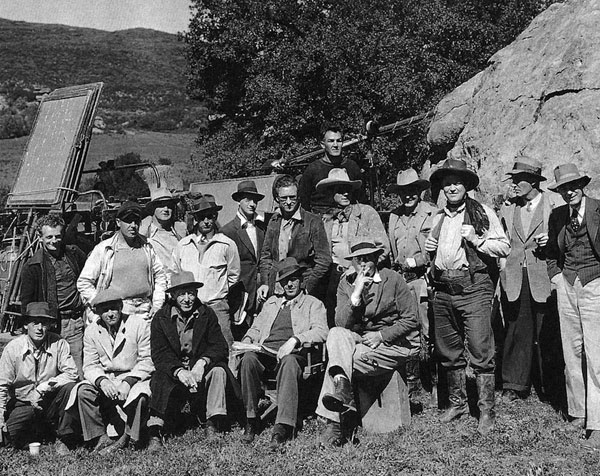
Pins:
x,y
526,165
363,247
183,279
288,267
338,177
408,178
455,167
566,173
247,187
37,310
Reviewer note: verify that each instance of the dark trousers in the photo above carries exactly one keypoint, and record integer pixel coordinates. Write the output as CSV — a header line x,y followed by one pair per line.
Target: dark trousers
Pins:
x,y
289,374
26,424
463,323
335,273
523,325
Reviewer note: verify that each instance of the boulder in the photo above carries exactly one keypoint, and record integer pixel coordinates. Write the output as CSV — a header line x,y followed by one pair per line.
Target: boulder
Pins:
x,y
539,96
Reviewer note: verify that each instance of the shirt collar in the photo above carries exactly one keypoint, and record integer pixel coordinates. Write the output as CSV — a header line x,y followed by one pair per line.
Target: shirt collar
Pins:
x,y
257,217
30,348
581,211
296,216
458,211
175,314
376,277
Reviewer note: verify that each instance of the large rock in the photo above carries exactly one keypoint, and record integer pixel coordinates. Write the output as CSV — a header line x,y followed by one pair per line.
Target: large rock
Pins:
x,y
539,96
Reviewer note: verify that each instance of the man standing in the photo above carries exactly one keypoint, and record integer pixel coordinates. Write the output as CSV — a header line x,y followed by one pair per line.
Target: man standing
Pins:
x,y
573,252
128,263
318,201
466,239
213,259
293,232
247,230
282,327
524,278
50,275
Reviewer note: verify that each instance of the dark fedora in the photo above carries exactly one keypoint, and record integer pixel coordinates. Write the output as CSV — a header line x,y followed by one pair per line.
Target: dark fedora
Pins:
x,y
455,167
408,178
129,209
158,197
204,203
107,295
526,165
37,310
288,267
362,248
247,187
566,173
183,279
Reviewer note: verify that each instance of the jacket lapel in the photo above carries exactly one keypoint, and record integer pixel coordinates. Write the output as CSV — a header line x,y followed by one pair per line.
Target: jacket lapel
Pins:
x,y
563,220
199,330
120,338
104,340
592,217
244,238
170,330
536,220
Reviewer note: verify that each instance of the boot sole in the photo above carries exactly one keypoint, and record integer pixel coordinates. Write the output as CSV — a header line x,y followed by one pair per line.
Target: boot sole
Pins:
x,y
334,404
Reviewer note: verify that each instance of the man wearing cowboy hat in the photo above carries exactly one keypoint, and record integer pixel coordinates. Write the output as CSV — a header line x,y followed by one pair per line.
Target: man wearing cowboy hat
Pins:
x,y
408,228
161,227
465,241
127,262
247,230
117,367
190,356
524,278
345,222
319,201
37,374
377,331
573,252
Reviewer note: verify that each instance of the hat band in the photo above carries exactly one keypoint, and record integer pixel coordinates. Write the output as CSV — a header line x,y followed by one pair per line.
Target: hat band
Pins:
x,y
520,167
285,272
362,246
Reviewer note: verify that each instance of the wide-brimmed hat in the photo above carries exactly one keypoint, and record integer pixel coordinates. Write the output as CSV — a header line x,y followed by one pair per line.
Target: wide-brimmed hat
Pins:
x,y
455,167
338,177
106,296
408,178
566,173
159,196
526,165
204,203
363,247
247,187
38,309
288,267
183,279
129,208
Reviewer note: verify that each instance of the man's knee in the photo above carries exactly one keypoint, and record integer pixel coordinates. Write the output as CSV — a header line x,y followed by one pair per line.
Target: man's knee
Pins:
x,y
87,393
249,361
338,333
290,364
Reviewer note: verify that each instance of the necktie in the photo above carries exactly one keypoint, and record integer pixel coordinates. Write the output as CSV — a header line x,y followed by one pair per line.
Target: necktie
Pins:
x,y
575,220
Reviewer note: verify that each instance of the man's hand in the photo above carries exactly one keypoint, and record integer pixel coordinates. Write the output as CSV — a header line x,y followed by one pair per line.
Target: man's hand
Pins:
x,y
187,378
109,389
262,292
373,339
151,314
44,387
287,348
199,370
468,233
431,244
123,391
359,284
541,240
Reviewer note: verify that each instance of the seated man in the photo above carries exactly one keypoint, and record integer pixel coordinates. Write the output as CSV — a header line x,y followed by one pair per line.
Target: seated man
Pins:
x,y
37,374
378,331
284,324
190,355
117,366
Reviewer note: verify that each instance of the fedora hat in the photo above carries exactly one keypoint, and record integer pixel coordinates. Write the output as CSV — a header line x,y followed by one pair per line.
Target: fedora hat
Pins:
x,y
363,247
38,309
183,279
106,296
204,203
566,173
526,165
455,167
408,178
247,187
160,195
129,208
288,267
338,177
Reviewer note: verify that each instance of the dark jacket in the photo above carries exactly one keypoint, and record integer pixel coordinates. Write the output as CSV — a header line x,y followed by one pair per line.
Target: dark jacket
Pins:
x,y
308,244
38,281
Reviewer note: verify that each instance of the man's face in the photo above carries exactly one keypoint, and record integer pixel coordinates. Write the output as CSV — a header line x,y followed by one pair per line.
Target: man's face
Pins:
x,y
37,329
110,313
410,196
287,197
51,238
185,298
129,226
454,189
292,286
332,143
522,185
248,205
365,263
341,195
572,193
164,211
206,221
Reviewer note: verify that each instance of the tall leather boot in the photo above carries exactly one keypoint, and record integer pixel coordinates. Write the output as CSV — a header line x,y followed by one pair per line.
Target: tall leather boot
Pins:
x,y
486,384
457,394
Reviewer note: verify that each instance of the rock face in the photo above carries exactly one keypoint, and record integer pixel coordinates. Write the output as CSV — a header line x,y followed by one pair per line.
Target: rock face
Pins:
x,y
539,96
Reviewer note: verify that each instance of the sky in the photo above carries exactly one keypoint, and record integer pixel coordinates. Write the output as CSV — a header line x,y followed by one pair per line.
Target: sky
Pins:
x,y
171,16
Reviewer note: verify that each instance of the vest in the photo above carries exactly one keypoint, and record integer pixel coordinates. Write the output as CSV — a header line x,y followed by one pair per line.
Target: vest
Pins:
x,y
580,259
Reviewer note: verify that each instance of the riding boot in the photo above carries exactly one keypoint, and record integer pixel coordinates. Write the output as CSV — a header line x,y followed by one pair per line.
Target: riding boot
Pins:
x,y
457,394
486,384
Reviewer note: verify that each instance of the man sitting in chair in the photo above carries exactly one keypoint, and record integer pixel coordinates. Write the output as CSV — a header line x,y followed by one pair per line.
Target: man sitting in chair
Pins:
x,y
282,327
377,332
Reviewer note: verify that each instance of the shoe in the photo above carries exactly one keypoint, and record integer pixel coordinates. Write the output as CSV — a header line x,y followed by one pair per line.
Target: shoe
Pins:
x,y
509,395
61,448
593,442
213,427
577,423
457,394
281,434
251,430
155,444
103,442
118,445
342,398
486,385
332,436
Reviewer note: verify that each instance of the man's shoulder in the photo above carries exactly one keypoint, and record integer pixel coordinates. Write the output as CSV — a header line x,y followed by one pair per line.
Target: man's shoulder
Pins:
x,y
231,228
427,208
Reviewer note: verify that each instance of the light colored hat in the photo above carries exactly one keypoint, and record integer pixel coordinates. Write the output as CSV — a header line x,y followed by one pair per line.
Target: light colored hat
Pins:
x,y
106,296
338,177
183,279
158,196
363,247
455,167
408,178
526,165
566,173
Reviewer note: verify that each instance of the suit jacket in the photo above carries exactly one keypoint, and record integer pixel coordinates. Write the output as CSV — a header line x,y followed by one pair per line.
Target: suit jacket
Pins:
x,y
248,255
557,224
308,244
523,249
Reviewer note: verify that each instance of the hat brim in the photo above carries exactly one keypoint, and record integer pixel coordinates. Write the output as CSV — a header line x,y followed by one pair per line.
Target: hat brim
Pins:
x,y
363,252
237,196
326,183
191,284
39,316
292,272
585,180
152,204
471,179
538,177
129,213
215,208
420,184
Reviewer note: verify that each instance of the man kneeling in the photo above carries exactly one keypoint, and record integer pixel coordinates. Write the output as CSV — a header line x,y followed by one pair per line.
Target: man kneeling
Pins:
x,y
284,324
190,355
117,367
377,332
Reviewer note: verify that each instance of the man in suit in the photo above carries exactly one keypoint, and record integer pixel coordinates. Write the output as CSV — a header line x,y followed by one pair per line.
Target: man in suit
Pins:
x,y
524,277
247,230
294,232
573,257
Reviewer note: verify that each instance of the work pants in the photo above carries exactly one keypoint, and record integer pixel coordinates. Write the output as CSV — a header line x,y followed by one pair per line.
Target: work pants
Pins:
x,y
71,329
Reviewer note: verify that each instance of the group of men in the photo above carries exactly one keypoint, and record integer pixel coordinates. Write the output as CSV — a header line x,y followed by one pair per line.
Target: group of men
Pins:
x,y
147,322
